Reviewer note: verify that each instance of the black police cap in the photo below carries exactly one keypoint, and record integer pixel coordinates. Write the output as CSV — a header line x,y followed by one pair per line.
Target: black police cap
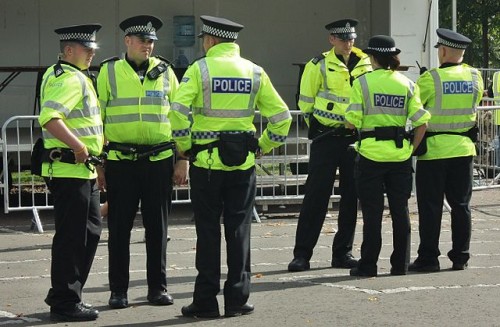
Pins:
x,y
220,27
343,28
452,39
83,34
381,45
143,25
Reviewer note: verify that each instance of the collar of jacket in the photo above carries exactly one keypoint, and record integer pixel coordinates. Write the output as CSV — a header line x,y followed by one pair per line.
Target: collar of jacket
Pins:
x,y
229,49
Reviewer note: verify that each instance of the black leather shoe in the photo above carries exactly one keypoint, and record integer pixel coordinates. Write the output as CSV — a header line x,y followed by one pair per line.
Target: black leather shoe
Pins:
x,y
347,261
118,300
299,264
459,266
245,309
193,310
398,272
423,267
78,313
361,273
160,298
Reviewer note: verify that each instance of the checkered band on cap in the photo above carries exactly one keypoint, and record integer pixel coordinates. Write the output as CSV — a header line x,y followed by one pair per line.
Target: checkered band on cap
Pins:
x,y
89,37
452,44
148,29
219,33
342,30
393,49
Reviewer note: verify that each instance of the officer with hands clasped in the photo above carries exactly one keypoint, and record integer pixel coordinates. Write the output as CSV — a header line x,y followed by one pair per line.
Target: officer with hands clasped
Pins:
x,y
135,94
451,93
223,90
381,103
72,130
324,95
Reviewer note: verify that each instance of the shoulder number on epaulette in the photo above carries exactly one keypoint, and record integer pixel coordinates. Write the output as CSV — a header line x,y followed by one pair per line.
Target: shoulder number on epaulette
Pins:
x,y
317,59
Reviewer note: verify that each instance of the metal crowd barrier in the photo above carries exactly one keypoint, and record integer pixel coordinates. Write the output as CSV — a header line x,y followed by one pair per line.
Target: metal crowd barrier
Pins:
x,y
281,174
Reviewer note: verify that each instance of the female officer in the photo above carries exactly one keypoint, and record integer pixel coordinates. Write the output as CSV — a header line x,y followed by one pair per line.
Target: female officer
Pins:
x,y
381,103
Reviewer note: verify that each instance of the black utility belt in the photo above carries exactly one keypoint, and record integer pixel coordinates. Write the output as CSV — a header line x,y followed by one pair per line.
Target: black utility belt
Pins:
x,y
233,148
139,150
59,154
397,134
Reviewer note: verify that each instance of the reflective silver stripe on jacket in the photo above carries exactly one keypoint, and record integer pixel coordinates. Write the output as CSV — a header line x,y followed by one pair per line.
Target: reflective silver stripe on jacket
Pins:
x,y
180,108
144,101
78,132
306,99
135,117
279,117
207,109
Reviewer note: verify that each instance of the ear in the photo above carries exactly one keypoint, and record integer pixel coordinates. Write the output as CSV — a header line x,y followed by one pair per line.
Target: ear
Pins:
x,y
331,39
127,40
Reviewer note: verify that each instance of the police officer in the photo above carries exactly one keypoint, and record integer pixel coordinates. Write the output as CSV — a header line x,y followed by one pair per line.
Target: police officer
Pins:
x,y
72,130
381,103
451,93
135,94
223,90
324,95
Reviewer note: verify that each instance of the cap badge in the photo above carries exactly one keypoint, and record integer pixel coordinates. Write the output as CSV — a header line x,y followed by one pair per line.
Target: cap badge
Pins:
x,y
347,25
149,25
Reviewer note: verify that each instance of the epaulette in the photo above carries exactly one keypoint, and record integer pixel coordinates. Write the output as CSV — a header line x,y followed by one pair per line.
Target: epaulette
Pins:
x,y
165,60
58,70
115,58
317,59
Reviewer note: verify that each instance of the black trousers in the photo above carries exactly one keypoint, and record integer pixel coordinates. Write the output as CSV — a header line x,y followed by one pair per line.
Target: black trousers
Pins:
x,y
326,156
372,180
128,183
232,195
435,179
77,232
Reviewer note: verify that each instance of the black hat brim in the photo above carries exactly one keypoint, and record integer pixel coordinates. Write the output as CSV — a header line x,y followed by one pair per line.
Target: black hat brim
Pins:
x,y
375,52
346,36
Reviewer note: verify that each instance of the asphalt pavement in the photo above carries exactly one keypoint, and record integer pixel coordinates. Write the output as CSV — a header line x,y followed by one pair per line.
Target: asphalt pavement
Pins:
x,y
322,296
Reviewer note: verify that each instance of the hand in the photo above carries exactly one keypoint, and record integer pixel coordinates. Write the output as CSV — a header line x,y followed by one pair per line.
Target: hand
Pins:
x,y
81,155
258,153
181,169
101,179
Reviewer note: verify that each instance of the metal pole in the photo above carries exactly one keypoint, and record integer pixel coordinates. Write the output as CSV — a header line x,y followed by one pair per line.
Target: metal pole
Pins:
x,y
454,15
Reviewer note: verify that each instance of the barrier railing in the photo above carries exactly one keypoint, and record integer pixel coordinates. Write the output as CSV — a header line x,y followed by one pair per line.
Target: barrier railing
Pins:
x,y
281,175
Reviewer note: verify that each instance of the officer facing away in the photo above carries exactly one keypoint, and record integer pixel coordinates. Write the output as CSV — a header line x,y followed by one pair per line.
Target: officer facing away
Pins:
x,y
223,90
324,96
451,94
135,94
381,103
72,130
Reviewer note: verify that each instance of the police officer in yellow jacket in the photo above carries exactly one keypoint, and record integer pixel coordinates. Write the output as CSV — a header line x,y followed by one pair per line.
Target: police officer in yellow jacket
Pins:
x,y
324,96
72,130
451,93
223,90
381,103
135,94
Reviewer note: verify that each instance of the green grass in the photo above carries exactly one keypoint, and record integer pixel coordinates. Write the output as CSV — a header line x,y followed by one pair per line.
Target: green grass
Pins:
x,y
25,177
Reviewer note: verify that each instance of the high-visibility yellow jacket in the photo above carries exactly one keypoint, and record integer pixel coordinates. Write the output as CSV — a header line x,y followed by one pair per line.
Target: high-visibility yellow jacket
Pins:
x,y
451,94
68,94
385,98
325,87
223,90
135,112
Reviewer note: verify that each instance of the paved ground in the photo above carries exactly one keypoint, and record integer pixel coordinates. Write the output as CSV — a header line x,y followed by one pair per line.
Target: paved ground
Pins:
x,y
320,297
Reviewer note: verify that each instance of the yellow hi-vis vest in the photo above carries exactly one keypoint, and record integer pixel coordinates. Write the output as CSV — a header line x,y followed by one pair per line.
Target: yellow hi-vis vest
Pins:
x,y
223,90
384,98
68,94
496,95
451,95
135,112
325,87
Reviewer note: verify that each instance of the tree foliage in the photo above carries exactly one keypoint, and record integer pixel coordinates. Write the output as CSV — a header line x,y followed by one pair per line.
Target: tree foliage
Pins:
x,y
480,21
